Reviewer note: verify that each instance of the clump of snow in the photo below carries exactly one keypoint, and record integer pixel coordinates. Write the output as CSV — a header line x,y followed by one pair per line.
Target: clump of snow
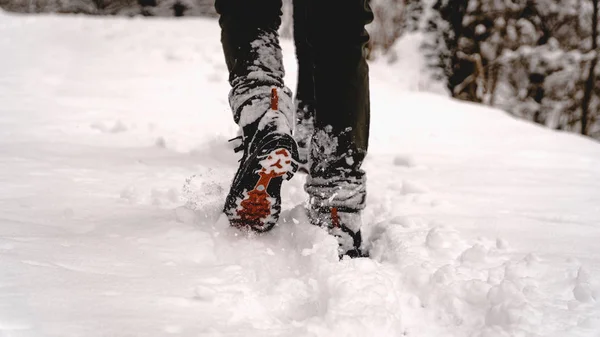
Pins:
x,y
413,187
185,215
438,238
583,293
404,160
476,253
129,194
160,142
501,244
116,127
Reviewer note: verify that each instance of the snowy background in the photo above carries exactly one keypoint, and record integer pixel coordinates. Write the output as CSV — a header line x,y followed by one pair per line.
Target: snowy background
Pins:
x,y
537,60
114,164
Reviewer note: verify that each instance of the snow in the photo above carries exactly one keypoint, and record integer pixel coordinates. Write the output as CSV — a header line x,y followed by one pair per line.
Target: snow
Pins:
x,y
114,164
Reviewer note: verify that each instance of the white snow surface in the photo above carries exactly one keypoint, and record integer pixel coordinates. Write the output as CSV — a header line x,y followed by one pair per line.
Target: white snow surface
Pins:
x,y
114,165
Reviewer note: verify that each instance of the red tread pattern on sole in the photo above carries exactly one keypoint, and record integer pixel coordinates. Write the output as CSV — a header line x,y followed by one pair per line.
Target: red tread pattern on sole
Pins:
x,y
255,208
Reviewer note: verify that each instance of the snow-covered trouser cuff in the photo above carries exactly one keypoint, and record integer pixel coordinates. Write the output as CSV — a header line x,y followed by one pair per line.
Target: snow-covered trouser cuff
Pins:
x,y
347,194
254,59
335,179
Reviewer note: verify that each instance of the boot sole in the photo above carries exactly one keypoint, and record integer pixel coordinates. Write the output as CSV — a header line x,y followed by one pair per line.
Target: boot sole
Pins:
x,y
256,207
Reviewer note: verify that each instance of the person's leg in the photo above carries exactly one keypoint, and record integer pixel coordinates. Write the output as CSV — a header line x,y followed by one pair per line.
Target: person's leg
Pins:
x,y
337,184
305,90
262,106
253,56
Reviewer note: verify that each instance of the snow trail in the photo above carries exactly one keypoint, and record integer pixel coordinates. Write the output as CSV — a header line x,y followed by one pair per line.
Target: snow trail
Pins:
x,y
114,165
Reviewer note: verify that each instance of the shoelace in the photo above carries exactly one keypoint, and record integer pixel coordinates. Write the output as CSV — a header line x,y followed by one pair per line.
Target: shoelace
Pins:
x,y
240,147
274,106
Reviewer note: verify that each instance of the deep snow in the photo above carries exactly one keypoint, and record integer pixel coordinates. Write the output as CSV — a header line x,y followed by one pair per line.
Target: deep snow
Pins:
x,y
114,164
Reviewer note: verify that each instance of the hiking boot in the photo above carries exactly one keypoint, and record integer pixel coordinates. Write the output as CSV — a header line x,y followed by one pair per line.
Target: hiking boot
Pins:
x,y
345,226
270,157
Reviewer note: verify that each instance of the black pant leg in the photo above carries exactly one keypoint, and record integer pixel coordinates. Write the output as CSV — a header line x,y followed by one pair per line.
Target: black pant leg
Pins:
x,y
338,37
305,90
253,55
341,74
240,22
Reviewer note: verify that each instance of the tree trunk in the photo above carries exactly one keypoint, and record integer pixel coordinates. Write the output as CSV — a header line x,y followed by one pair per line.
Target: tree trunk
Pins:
x,y
591,80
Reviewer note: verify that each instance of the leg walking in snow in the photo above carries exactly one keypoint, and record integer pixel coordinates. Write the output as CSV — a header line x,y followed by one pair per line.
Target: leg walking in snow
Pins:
x,y
336,183
263,108
332,112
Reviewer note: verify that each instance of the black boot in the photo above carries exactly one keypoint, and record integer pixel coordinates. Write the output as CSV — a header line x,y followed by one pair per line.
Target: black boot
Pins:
x,y
263,108
270,157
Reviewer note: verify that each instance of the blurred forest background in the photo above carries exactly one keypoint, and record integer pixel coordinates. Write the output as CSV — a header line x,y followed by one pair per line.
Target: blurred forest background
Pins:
x,y
535,59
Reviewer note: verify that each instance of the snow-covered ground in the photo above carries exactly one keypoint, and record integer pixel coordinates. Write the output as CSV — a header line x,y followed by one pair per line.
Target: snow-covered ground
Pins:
x,y
114,164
